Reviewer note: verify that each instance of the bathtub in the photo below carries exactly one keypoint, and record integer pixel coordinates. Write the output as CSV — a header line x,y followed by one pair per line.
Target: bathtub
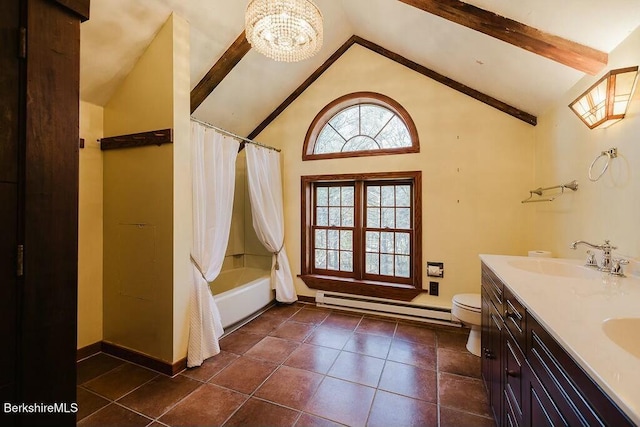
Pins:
x,y
241,292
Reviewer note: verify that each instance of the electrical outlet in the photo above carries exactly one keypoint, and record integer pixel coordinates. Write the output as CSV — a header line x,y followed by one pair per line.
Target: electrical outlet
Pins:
x,y
433,288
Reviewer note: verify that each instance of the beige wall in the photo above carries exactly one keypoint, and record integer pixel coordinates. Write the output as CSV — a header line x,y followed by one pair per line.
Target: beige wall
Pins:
x,y
182,218
90,227
244,248
565,147
143,257
477,165
256,255
237,232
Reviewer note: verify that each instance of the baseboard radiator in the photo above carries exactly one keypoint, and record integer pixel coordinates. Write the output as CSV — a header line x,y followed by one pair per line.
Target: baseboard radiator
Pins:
x,y
385,307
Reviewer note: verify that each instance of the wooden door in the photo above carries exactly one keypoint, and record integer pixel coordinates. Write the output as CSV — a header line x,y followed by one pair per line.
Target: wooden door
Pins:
x,y
9,137
39,109
49,295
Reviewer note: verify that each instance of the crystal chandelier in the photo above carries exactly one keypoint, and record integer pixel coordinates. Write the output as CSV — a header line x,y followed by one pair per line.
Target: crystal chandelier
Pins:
x,y
284,30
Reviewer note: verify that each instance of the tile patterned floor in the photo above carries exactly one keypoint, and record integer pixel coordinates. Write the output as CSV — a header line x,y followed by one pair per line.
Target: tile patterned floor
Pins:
x,y
299,365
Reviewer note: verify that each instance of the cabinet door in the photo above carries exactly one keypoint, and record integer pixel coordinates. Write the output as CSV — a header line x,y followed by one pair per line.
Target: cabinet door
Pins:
x,y
574,395
495,355
486,338
539,410
491,362
513,361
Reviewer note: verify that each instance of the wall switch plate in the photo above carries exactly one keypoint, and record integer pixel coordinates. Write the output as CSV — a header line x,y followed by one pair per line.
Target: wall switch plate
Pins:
x,y
433,288
435,269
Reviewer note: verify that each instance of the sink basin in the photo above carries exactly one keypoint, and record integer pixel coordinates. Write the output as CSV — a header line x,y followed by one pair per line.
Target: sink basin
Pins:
x,y
625,332
549,267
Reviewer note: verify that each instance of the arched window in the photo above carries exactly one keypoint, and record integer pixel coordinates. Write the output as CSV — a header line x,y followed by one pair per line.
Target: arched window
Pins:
x,y
360,124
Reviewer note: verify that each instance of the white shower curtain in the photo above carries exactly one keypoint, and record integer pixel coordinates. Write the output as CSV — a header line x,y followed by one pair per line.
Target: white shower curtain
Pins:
x,y
213,163
265,191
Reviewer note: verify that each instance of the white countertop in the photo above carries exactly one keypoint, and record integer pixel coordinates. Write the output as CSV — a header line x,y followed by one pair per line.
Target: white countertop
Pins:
x,y
573,310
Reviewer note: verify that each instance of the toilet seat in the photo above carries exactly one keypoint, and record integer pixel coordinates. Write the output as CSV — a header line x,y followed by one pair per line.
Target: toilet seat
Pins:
x,y
469,302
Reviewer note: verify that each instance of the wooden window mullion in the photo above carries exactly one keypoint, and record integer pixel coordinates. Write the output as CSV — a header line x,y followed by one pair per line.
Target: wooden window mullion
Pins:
x,y
358,237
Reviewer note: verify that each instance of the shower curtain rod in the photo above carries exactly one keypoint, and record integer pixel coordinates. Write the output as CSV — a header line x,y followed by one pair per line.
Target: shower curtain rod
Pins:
x,y
233,135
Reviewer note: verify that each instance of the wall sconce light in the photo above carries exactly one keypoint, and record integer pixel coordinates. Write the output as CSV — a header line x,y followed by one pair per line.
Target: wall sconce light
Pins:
x,y
605,103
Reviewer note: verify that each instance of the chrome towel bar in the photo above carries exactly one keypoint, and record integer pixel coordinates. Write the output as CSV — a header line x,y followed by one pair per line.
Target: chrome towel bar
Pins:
x,y
573,185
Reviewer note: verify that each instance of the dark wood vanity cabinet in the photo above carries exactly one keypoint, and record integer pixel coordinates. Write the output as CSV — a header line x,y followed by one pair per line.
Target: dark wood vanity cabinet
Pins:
x,y
491,337
530,379
553,375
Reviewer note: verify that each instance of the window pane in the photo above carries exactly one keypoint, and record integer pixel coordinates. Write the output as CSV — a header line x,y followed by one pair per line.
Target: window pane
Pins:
x,y
332,260
369,125
386,265
403,218
347,217
334,196
347,196
321,259
386,234
403,243
347,122
333,239
373,196
372,264
346,240
322,196
373,217
402,266
321,239
360,143
322,216
388,195
334,217
373,241
346,261
403,195
394,135
386,242
388,218
329,141
373,118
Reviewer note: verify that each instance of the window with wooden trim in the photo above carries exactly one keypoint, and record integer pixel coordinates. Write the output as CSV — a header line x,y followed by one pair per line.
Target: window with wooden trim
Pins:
x,y
362,234
360,124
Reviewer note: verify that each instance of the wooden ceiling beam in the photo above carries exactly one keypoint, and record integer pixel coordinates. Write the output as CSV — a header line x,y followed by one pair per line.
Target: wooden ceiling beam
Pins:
x,y
219,71
566,52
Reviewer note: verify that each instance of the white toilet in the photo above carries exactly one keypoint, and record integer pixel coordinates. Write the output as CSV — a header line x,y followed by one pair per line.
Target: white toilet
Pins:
x,y
466,308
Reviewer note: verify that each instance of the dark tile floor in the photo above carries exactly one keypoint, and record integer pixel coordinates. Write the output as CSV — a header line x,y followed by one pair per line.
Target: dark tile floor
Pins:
x,y
300,365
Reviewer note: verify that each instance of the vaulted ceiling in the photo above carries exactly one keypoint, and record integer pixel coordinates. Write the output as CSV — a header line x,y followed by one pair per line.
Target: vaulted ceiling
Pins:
x,y
467,43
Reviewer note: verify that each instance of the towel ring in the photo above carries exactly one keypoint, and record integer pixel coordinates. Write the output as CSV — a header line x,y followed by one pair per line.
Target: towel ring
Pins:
x,y
612,153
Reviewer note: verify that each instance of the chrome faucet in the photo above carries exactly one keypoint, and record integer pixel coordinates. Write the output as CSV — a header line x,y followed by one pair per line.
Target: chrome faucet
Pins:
x,y
606,249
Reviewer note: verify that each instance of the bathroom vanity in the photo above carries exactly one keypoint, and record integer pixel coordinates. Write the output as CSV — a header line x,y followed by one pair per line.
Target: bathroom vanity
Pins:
x,y
550,353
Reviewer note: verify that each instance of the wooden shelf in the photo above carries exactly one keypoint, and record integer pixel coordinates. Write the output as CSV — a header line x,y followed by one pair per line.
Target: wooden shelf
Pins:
x,y
156,137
